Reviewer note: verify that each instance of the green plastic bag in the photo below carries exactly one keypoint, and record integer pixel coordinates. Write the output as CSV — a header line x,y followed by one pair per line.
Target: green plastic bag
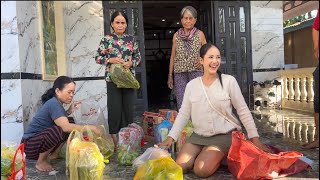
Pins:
x,y
122,77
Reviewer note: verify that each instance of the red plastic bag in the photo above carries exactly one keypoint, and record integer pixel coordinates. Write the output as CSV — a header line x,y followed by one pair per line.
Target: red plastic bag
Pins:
x,y
246,161
18,173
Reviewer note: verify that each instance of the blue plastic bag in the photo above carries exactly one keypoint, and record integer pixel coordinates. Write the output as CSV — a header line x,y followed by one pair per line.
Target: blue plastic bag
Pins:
x,y
162,130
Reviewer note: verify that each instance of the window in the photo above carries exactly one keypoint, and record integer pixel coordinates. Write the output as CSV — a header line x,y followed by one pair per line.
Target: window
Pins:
x,y
52,39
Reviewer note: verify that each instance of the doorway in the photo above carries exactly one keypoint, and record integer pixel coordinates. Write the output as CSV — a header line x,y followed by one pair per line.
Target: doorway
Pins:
x,y
161,20
225,24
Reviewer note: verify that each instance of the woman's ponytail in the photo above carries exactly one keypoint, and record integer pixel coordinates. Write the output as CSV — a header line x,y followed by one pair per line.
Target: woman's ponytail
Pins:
x,y
48,95
220,79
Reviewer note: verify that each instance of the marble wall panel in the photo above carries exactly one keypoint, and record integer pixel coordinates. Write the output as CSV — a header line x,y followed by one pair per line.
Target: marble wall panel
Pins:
x,y
11,101
267,34
11,133
29,42
83,32
11,111
9,38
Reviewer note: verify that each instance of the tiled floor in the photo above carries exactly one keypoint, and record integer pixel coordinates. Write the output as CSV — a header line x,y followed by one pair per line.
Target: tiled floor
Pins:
x,y
275,127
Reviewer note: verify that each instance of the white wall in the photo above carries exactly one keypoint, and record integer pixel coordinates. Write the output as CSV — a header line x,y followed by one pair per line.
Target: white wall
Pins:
x,y
267,38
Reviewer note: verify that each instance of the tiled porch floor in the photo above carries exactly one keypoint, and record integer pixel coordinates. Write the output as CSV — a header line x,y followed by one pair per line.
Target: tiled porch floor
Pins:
x,y
269,131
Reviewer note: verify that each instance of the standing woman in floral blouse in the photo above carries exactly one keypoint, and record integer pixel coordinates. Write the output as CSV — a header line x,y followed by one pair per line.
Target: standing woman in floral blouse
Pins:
x,y
118,48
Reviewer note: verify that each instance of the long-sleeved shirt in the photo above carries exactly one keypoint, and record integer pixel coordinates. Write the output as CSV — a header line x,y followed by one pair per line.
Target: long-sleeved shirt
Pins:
x,y
124,47
206,121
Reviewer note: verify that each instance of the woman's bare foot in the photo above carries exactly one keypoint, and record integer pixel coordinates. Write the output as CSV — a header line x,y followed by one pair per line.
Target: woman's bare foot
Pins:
x,y
54,156
44,166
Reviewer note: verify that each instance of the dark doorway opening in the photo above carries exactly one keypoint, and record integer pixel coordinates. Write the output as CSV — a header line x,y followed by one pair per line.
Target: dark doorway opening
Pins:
x,y
161,20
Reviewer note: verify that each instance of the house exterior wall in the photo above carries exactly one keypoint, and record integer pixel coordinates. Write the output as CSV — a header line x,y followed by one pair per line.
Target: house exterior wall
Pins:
x,y
83,23
267,39
11,94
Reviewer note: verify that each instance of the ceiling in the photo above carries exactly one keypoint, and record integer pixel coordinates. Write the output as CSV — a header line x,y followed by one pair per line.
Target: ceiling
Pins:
x,y
155,11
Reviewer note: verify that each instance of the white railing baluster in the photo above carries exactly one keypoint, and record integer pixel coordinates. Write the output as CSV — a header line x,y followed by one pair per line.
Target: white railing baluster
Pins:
x,y
310,89
304,89
297,89
285,88
291,91
297,92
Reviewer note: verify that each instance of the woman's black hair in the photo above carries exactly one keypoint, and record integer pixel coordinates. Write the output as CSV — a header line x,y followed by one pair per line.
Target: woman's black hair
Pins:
x,y
59,83
117,13
203,51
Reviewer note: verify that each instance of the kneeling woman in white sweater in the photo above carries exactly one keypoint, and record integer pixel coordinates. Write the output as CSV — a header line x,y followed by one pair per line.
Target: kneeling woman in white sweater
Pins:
x,y
208,101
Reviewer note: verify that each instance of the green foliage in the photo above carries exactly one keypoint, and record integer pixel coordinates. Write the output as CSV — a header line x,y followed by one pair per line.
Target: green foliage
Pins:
x,y
295,20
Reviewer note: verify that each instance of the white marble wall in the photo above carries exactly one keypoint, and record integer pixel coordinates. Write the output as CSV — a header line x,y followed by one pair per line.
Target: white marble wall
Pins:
x,y
11,97
9,53
11,111
29,42
30,57
83,32
267,37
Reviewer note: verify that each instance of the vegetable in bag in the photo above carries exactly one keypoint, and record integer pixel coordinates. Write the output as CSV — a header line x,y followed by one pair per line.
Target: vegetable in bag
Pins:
x,y
164,168
7,156
122,77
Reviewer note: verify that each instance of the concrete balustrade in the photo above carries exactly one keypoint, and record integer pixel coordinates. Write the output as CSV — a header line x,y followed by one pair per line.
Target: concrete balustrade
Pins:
x,y
297,89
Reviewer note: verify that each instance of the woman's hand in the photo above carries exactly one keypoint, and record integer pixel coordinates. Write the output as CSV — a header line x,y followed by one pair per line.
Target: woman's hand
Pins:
x,y
97,130
74,106
170,81
128,64
197,64
166,144
256,141
116,60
